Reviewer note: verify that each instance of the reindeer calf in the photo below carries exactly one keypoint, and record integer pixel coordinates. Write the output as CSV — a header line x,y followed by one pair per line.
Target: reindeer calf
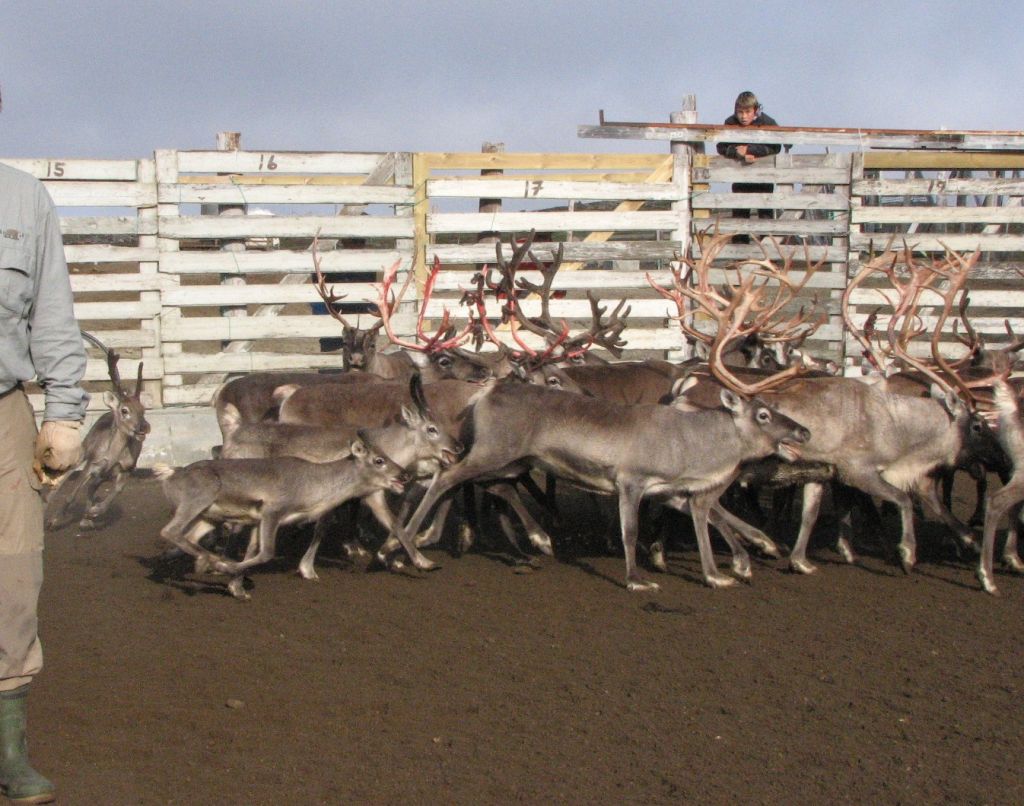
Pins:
x,y
266,493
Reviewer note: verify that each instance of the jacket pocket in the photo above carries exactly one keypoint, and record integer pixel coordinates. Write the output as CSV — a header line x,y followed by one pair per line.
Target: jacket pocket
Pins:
x,y
15,282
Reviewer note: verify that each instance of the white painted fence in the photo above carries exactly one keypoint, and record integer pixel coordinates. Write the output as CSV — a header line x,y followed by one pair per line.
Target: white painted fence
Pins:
x,y
197,263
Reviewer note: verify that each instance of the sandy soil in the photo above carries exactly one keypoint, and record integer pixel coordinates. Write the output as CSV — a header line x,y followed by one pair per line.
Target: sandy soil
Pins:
x,y
477,684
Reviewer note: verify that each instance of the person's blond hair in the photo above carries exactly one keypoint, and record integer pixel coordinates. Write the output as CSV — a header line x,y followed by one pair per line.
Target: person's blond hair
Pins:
x,y
747,100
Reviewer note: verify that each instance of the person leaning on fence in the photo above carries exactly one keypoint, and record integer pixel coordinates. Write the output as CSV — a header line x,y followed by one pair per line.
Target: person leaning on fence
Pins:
x,y
748,112
39,339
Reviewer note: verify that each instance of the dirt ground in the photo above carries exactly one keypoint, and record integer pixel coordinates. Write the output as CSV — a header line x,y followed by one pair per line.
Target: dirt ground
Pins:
x,y
478,684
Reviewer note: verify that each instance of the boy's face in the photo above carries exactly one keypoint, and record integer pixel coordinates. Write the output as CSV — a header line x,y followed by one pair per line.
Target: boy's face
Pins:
x,y
746,114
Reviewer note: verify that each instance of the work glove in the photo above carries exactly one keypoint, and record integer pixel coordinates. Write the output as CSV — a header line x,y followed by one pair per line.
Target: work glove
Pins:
x,y
59,445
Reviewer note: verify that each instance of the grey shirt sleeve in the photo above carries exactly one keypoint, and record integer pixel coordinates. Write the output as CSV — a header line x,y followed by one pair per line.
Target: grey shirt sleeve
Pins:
x,y
55,342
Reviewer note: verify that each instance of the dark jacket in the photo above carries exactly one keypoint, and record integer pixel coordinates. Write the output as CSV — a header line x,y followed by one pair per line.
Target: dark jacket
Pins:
x,y
757,149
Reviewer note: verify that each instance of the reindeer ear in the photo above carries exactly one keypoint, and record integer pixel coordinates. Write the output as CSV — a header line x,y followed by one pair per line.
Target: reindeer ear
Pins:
x,y
410,417
358,448
418,359
731,400
110,399
283,392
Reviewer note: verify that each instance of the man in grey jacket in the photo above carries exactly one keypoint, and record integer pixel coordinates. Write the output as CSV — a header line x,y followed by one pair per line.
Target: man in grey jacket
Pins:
x,y
39,339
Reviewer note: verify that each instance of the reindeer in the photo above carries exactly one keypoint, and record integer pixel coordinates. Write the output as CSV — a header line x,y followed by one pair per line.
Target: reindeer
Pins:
x,y
884,444
433,357
414,441
634,452
266,493
110,451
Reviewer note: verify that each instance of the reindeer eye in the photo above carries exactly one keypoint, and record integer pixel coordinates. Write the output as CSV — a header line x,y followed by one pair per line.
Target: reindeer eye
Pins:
x,y
378,461
432,430
554,382
444,361
764,416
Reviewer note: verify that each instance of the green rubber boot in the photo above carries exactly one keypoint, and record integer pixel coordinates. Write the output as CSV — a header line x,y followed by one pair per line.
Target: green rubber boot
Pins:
x,y
18,781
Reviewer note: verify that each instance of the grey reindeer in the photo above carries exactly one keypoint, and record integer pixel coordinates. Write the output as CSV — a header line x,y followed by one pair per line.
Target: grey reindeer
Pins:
x,y
110,452
266,493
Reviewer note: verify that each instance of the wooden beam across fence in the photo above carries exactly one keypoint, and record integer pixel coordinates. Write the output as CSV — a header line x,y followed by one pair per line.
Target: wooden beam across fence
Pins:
x,y
148,264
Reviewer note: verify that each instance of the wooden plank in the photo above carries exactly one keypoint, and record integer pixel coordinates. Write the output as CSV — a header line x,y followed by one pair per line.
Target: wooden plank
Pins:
x,y
937,215
784,227
929,187
980,298
279,261
284,194
116,310
101,194
943,160
517,188
778,201
119,339
187,296
550,221
100,225
180,227
81,283
276,162
60,169
759,172
861,139
246,362
510,161
268,179
106,253
600,280
217,328
96,369
939,243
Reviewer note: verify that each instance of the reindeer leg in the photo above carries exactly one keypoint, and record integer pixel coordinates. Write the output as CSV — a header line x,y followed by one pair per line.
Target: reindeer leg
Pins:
x,y
813,493
267,543
999,503
306,569
870,482
534,531
63,499
1010,556
749,533
700,509
119,479
929,497
629,512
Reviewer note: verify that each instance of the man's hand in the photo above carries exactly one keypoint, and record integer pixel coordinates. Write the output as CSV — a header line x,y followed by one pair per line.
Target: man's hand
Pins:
x,y
59,444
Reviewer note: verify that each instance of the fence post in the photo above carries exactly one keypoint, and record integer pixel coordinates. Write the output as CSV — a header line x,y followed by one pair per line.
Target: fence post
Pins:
x,y
490,205
148,229
682,167
230,141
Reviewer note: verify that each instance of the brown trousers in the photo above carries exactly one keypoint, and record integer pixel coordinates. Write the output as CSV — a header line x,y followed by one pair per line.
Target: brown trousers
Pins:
x,y
21,543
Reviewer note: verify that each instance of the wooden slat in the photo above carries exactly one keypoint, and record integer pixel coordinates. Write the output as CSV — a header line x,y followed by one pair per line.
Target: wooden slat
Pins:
x,y
938,243
937,215
116,310
475,187
71,169
222,193
768,173
598,281
101,194
115,282
284,226
106,253
245,362
203,295
278,261
935,186
574,250
778,201
276,162
550,222
100,225
510,161
943,161
218,328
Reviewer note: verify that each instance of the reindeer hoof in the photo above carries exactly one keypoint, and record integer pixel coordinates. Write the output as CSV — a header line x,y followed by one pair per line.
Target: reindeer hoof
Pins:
x,y
741,568
423,564
987,583
465,539
719,581
642,585
802,567
542,544
86,525
1013,562
309,573
658,562
236,587
845,551
908,558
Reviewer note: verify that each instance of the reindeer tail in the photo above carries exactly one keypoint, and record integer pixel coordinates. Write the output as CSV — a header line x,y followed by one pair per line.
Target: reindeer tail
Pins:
x,y
163,471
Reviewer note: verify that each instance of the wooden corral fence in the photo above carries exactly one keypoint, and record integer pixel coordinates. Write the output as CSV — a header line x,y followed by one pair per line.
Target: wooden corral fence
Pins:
x,y
198,262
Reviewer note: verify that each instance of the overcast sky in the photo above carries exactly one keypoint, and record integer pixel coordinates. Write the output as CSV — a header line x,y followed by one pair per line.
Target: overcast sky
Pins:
x,y
116,79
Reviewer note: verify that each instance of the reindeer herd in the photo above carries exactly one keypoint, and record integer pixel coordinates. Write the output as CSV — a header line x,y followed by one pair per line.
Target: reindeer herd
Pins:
x,y
401,431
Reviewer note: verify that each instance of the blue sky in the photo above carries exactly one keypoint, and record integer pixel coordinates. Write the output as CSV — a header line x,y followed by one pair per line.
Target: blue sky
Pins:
x,y
105,79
